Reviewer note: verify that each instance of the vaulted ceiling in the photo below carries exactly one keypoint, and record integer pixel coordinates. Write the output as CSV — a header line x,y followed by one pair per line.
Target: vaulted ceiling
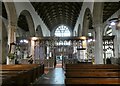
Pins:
x,y
56,13
109,9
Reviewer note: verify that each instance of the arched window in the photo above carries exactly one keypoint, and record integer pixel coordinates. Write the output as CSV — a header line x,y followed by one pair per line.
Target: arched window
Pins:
x,y
108,31
62,31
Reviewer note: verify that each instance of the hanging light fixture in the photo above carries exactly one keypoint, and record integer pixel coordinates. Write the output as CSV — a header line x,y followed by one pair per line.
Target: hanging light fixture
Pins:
x,y
34,38
115,22
83,37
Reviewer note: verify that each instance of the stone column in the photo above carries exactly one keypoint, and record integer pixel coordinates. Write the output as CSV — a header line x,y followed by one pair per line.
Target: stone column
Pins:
x,y
32,44
11,39
116,46
98,19
0,41
98,45
118,43
116,40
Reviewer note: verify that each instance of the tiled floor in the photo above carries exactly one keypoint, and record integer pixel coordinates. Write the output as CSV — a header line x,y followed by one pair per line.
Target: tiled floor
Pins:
x,y
55,77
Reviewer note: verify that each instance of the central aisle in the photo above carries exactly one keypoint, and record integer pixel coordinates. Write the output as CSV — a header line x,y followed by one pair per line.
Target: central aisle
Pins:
x,y
54,77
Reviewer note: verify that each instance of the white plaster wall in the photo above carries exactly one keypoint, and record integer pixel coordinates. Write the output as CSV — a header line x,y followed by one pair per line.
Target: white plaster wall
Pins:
x,y
81,15
26,5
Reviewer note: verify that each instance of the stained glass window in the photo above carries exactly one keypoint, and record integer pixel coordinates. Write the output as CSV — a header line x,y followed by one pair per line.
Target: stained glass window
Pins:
x,y
62,31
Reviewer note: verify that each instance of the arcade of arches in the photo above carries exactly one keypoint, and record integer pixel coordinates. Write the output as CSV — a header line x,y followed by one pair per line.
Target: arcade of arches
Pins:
x,y
76,32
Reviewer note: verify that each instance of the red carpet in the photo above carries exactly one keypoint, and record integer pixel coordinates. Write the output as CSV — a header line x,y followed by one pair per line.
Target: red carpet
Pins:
x,y
46,70
58,65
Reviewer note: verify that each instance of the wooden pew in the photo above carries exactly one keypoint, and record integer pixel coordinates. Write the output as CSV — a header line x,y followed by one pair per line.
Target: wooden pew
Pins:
x,y
91,66
15,78
29,74
36,70
92,74
23,67
93,70
21,74
96,81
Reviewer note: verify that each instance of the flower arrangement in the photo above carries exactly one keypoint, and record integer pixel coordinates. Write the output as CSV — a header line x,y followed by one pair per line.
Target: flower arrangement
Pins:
x,y
11,55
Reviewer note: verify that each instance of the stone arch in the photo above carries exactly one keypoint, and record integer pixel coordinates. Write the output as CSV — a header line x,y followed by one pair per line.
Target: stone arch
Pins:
x,y
29,22
87,22
11,13
4,42
39,31
12,20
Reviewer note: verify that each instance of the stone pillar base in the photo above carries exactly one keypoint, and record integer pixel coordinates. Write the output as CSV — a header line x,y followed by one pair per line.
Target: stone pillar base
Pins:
x,y
10,61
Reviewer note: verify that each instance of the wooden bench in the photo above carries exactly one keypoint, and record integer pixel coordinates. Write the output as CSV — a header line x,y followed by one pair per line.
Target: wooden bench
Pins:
x,y
15,78
91,66
93,70
37,70
96,81
30,70
92,74
21,74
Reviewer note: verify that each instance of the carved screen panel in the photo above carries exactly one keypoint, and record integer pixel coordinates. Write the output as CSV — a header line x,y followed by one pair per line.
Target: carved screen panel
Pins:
x,y
108,47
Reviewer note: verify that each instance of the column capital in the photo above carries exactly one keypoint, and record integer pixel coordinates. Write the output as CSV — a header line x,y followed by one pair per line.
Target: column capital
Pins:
x,y
13,27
